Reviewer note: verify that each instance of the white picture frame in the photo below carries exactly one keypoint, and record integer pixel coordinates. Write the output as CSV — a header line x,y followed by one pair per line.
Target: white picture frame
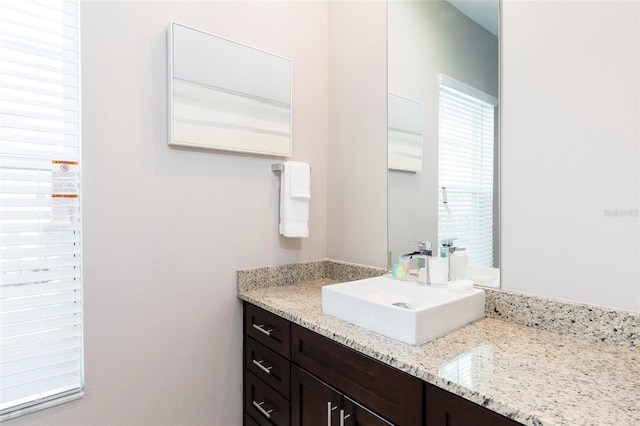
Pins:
x,y
405,133
225,95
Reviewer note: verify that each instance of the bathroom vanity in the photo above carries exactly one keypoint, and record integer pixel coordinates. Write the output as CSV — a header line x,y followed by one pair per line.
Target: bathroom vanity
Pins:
x,y
296,376
531,361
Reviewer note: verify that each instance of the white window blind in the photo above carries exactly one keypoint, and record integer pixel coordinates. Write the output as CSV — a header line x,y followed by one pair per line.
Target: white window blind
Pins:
x,y
41,352
466,169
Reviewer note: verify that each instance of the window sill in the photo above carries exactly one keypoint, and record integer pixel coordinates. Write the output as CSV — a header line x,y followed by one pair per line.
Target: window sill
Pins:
x,y
42,406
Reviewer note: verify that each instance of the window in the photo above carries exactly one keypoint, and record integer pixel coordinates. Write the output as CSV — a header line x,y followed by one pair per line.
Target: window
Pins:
x,y
41,352
466,169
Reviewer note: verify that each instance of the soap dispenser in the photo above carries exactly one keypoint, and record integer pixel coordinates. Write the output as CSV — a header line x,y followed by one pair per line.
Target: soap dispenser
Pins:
x,y
447,247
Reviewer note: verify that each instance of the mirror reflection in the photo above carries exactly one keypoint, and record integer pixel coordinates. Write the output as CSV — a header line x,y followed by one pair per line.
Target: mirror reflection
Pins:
x,y
444,57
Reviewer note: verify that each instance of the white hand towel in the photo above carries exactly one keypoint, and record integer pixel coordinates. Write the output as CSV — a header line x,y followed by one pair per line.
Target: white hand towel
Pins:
x,y
294,212
299,179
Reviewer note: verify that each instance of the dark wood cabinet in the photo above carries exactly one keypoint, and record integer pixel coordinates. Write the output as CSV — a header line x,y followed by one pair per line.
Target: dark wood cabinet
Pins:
x,y
357,415
447,409
264,404
267,368
267,328
249,421
272,368
314,402
294,376
384,390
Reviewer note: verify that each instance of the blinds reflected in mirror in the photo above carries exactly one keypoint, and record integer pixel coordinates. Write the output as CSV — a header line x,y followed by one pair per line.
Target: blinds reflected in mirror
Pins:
x,y
466,169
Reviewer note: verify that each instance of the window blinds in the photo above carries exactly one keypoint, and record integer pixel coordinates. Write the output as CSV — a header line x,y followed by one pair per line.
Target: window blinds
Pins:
x,y
41,352
466,170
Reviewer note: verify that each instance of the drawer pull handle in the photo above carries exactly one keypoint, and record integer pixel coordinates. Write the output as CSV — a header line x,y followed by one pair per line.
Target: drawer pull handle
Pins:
x,y
261,329
343,417
262,367
258,405
329,410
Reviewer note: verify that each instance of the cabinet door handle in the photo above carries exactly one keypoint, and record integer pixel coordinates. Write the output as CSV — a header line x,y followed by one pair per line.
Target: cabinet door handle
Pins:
x,y
258,405
261,329
343,417
329,410
262,367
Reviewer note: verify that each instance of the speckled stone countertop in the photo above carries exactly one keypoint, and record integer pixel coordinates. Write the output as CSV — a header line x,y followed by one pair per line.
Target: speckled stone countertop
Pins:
x,y
534,376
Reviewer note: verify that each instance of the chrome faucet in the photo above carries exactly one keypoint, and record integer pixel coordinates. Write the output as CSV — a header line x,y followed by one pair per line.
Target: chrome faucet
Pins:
x,y
447,251
449,248
423,253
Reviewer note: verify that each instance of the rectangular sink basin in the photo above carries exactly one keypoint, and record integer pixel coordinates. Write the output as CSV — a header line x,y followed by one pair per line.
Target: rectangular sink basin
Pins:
x,y
420,313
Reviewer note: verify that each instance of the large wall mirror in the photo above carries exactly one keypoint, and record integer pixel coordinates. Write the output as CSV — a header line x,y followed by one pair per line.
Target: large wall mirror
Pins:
x,y
444,56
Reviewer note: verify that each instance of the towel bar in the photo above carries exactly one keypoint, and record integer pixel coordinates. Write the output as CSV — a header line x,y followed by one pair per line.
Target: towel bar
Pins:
x,y
277,167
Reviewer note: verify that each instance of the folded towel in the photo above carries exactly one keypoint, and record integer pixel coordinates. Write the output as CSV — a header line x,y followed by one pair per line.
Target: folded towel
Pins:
x,y
299,179
294,212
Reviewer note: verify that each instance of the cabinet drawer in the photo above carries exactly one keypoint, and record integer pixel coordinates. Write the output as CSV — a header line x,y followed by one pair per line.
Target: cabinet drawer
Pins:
x,y
388,392
268,365
263,403
268,329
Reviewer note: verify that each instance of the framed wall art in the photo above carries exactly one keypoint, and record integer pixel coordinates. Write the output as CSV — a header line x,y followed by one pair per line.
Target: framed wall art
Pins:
x,y
227,96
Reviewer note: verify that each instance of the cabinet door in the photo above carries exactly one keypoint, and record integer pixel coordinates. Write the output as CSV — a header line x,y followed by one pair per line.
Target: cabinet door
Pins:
x,y
313,403
383,389
447,409
355,414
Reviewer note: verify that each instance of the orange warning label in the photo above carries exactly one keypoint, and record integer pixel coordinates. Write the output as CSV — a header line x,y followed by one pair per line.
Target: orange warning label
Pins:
x,y
74,163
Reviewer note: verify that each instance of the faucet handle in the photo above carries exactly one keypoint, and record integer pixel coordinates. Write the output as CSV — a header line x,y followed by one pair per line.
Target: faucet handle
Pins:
x,y
424,247
448,242
447,245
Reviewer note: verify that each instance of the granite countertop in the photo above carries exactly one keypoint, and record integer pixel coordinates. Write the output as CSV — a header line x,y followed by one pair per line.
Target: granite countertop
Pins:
x,y
534,376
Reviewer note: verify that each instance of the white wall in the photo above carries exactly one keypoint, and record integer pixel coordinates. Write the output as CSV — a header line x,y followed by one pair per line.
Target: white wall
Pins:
x,y
357,174
570,150
166,229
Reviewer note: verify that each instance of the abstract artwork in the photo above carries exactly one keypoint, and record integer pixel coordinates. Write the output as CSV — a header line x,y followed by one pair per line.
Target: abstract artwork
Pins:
x,y
405,134
227,96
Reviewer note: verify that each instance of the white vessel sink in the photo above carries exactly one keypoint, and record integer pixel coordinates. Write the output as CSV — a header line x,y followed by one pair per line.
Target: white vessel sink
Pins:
x,y
425,312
